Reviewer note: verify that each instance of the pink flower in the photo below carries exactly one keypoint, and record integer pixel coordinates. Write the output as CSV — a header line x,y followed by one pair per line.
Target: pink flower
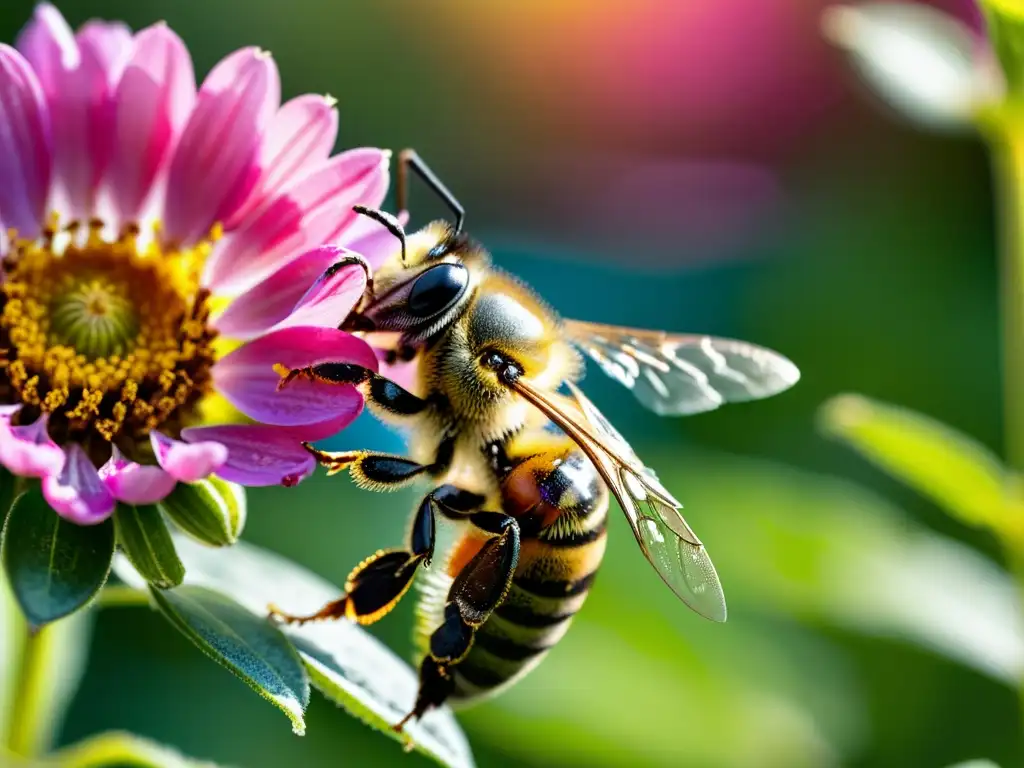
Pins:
x,y
165,246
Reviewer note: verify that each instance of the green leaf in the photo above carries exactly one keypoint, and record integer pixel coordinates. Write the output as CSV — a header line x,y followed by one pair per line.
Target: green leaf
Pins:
x,y
250,647
8,486
1005,22
211,511
144,537
345,662
108,749
54,567
949,467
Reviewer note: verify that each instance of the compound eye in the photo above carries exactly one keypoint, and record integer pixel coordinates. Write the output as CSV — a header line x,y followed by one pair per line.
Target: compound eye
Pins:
x,y
437,289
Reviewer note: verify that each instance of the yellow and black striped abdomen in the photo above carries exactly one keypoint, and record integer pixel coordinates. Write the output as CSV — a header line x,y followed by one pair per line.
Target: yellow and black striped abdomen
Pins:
x,y
562,525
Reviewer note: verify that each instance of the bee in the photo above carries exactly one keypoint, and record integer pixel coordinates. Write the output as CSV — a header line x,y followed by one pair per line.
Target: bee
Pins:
x,y
520,461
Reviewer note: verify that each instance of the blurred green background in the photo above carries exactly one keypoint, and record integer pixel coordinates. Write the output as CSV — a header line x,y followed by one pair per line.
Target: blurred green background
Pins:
x,y
691,166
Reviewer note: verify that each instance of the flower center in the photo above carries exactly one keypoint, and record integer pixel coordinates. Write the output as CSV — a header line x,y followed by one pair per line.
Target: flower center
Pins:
x,y
108,338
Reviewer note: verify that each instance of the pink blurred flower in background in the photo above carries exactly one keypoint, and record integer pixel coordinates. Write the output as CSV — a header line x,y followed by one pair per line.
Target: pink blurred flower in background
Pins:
x,y
166,246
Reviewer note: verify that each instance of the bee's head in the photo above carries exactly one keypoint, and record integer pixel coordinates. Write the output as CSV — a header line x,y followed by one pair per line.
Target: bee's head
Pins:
x,y
511,333
423,289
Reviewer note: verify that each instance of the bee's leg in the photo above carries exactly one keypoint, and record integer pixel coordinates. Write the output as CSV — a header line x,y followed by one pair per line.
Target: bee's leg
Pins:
x,y
377,584
476,591
380,391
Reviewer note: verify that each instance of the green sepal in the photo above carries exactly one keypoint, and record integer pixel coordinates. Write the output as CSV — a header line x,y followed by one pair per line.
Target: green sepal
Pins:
x,y
1005,19
144,538
54,566
249,646
211,511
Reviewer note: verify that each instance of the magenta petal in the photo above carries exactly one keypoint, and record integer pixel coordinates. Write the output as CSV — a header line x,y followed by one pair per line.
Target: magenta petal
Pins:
x,y
257,455
314,211
215,166
300,137
187,462
329,300
78,493
268,303
154,98
110,42
372,241
82,112
49,45
25,145
28,450
135,483
247,378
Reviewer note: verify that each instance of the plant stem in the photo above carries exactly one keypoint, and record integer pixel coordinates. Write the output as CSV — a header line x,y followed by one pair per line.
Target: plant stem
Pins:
x,y
1008,156
1009,171
25,733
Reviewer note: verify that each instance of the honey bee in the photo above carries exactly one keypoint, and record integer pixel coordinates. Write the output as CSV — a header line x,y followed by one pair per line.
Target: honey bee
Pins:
x,y
519,460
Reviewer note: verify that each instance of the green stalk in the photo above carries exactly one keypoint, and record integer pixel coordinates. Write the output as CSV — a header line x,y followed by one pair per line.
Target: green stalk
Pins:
x,y
1008,150
1008,156
27,728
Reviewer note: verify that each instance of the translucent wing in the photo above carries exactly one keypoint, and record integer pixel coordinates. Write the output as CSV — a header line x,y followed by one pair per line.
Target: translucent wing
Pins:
x,y
678,374
668,543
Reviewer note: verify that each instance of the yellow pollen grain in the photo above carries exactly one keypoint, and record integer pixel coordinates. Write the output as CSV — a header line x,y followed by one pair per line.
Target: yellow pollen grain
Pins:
x,y
105,336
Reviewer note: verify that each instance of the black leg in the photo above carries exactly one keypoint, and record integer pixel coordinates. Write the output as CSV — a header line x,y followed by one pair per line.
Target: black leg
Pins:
x,y
476,591
409,160
377,584
381,392
436,686
370,470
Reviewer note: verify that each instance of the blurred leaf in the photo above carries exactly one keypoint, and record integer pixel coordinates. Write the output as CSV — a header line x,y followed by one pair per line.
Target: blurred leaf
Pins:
x,y
212,510
975,764
108,749
1006,30
250,647
144,537
54,567
663,700
346,663
921,61
949,467
818,548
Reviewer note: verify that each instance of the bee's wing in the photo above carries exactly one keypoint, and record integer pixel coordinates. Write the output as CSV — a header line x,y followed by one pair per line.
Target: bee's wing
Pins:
x,y
678,374
668,543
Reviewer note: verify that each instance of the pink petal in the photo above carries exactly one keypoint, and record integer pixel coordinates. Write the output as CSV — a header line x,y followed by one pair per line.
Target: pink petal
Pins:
x,y
110,42
270,301
82,110
314,211
257,455
299,139
404,373
215,166
372,241
247,378
28,450
49,45
135,483
154,98
187,462
78,493
25,145
329,300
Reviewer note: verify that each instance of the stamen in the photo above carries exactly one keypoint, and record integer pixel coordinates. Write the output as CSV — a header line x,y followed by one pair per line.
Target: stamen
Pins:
x,y
106,337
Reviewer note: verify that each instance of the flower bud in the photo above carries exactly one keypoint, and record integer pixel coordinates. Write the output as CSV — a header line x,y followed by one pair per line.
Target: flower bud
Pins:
x,y
211,511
